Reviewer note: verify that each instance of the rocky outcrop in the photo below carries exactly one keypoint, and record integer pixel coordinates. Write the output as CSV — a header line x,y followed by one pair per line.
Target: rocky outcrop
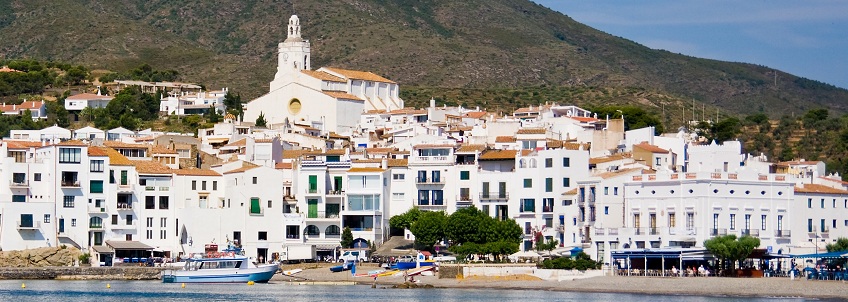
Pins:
x,y
81,273
40,257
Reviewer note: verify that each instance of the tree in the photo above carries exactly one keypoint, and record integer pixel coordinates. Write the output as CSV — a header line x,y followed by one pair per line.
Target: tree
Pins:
x,y
542,245
347,238
465,225
429,229
405,220
729,248
841,244
260,121
212,115
233,103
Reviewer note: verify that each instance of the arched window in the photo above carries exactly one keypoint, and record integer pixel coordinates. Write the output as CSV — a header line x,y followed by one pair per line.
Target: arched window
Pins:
x,y
95,222
312,230
532,163
522,163
333,230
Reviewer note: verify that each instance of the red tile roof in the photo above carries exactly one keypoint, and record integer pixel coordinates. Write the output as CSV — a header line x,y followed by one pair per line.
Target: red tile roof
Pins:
x,y
22,144
498,155
359,75
74,143
819,189
531,131
97,151
323,76
31,105
504,139
196,172
150,167
342,95
123,145
283,166
650,148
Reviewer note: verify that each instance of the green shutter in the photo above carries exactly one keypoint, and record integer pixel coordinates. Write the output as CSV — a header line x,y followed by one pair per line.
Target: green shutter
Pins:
x,y
313,208
123,178
254,206
96,186
313,183
549,184
338,183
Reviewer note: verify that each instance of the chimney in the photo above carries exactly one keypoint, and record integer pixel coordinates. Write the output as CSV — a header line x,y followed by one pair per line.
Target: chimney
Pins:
x,y
384,163
432,103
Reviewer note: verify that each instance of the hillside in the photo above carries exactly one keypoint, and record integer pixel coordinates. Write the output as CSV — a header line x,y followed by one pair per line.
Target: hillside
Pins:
x,y
473,44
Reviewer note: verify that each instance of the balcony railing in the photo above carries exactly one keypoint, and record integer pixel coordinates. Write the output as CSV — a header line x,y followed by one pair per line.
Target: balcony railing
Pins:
x,y
429,180
96,210
29,225
751,232
95,226
70,183
311,191
18,184
323,215
124,206
547,209
335,192
612,231
599,231
126,188
653,231
782,233
718,232
463,199
494,196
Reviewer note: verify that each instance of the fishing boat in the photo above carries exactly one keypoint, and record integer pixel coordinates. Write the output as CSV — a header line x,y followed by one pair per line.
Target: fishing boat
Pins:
x,y
344,267
226,267
409,265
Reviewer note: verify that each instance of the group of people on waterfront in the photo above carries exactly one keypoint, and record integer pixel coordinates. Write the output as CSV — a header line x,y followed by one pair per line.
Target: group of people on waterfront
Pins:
x,y
690,271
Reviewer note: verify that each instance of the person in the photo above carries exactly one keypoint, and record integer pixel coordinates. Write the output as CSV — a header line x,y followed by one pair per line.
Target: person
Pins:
x,y
674,270
701,270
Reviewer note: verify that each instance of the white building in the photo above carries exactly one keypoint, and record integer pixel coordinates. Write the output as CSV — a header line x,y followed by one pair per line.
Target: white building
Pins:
x,y
78,102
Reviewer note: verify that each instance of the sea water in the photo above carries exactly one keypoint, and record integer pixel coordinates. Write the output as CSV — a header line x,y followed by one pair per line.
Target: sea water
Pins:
x,y
97,291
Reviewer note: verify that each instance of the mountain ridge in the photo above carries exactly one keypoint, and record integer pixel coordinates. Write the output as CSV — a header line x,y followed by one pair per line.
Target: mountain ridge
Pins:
x,y
472,44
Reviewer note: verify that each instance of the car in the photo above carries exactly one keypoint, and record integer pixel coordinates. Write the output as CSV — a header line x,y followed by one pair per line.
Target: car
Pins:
x,y
444,258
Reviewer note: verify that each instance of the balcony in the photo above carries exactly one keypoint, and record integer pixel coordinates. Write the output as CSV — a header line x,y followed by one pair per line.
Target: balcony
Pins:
x,y
560,228
28,225
96,210
494,196
126,188
751,232
335,193
681,231
600,231
653,231
323,215
430,180
782,233
464,199
123,206
312,191
18,184
95,226
70,183
718,232
431,160
612,231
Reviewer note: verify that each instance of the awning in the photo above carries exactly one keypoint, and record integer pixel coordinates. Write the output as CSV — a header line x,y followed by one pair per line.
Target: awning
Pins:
x,y
128,245
326,247
102,249
217,140
840,254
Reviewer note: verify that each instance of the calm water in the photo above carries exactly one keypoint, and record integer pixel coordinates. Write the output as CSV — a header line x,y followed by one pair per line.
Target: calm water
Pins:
x,y
154,291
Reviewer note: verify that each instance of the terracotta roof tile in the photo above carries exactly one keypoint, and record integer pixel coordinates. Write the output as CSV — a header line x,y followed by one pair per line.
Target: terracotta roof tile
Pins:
x,y
410,111
292,154
799,163
116,158
196,172
22,106
498,155
150,167
123,145
819,189
570,192
470,148
531,131
476,114
359,75
283,166
606,159
583,119
430,146
342,95
504,139
379,150
97,151
323,76
239,143
622,172
74,143
157,149
393,162
650,148
242,169
21,144
88,96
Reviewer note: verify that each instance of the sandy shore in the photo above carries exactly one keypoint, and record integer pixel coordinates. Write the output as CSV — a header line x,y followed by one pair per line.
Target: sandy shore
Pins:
x,y
712,286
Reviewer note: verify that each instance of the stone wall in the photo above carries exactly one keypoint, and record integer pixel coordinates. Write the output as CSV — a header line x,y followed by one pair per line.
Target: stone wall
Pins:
x,y
450,272
46,256
82,273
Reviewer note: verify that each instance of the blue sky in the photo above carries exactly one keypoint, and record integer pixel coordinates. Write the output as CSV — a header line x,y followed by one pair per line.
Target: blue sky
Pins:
x,y
807,38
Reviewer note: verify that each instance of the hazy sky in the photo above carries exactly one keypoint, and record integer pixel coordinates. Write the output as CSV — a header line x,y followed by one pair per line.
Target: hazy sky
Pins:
x,y
807,38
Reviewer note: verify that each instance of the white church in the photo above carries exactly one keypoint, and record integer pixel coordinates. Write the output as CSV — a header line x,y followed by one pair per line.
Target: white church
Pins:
x,y
331,99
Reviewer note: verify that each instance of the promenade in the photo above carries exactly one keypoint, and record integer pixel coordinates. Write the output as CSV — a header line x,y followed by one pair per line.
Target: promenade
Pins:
x,y
700,286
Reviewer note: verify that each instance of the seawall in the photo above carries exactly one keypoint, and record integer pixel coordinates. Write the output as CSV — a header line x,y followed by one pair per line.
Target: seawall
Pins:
x,y
81,273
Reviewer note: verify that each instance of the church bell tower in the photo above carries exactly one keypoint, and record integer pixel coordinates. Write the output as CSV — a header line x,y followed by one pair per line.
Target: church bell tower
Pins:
x,y
293,54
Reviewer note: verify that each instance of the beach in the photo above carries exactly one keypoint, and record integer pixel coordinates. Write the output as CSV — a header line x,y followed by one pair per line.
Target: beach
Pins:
x,y
700,286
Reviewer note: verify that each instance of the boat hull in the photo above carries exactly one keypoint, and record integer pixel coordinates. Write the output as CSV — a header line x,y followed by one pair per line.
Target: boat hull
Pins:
x,y
259,275
409,265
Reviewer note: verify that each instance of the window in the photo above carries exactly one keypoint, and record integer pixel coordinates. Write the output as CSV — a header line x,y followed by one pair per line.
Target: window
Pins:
x,y
73,222
732,221
438,197
149,222
163,222
615,191
549,162
311,230
163,202
397,196
36,177
69,155
549,222
124,178
809,225
255,180
215,185
95,222
528,205
809,203
254,206
606,210
202,202
18,198
332,230
779,222
149,234
398,176
690,221
464,175
96,165
549,184
423,197
436,176
114,219
822,203
262,235
163,234
194,185
129,220
747,222
464,194
606,190
68,201
763,222
26,221
834,223
150,202
203,185
111,176
566,182
672,220
19,178
96,186
566,162
528,182
47,218
269,204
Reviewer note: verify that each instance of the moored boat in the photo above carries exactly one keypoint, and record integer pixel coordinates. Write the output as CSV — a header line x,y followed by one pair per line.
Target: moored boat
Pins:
x,y
229,268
